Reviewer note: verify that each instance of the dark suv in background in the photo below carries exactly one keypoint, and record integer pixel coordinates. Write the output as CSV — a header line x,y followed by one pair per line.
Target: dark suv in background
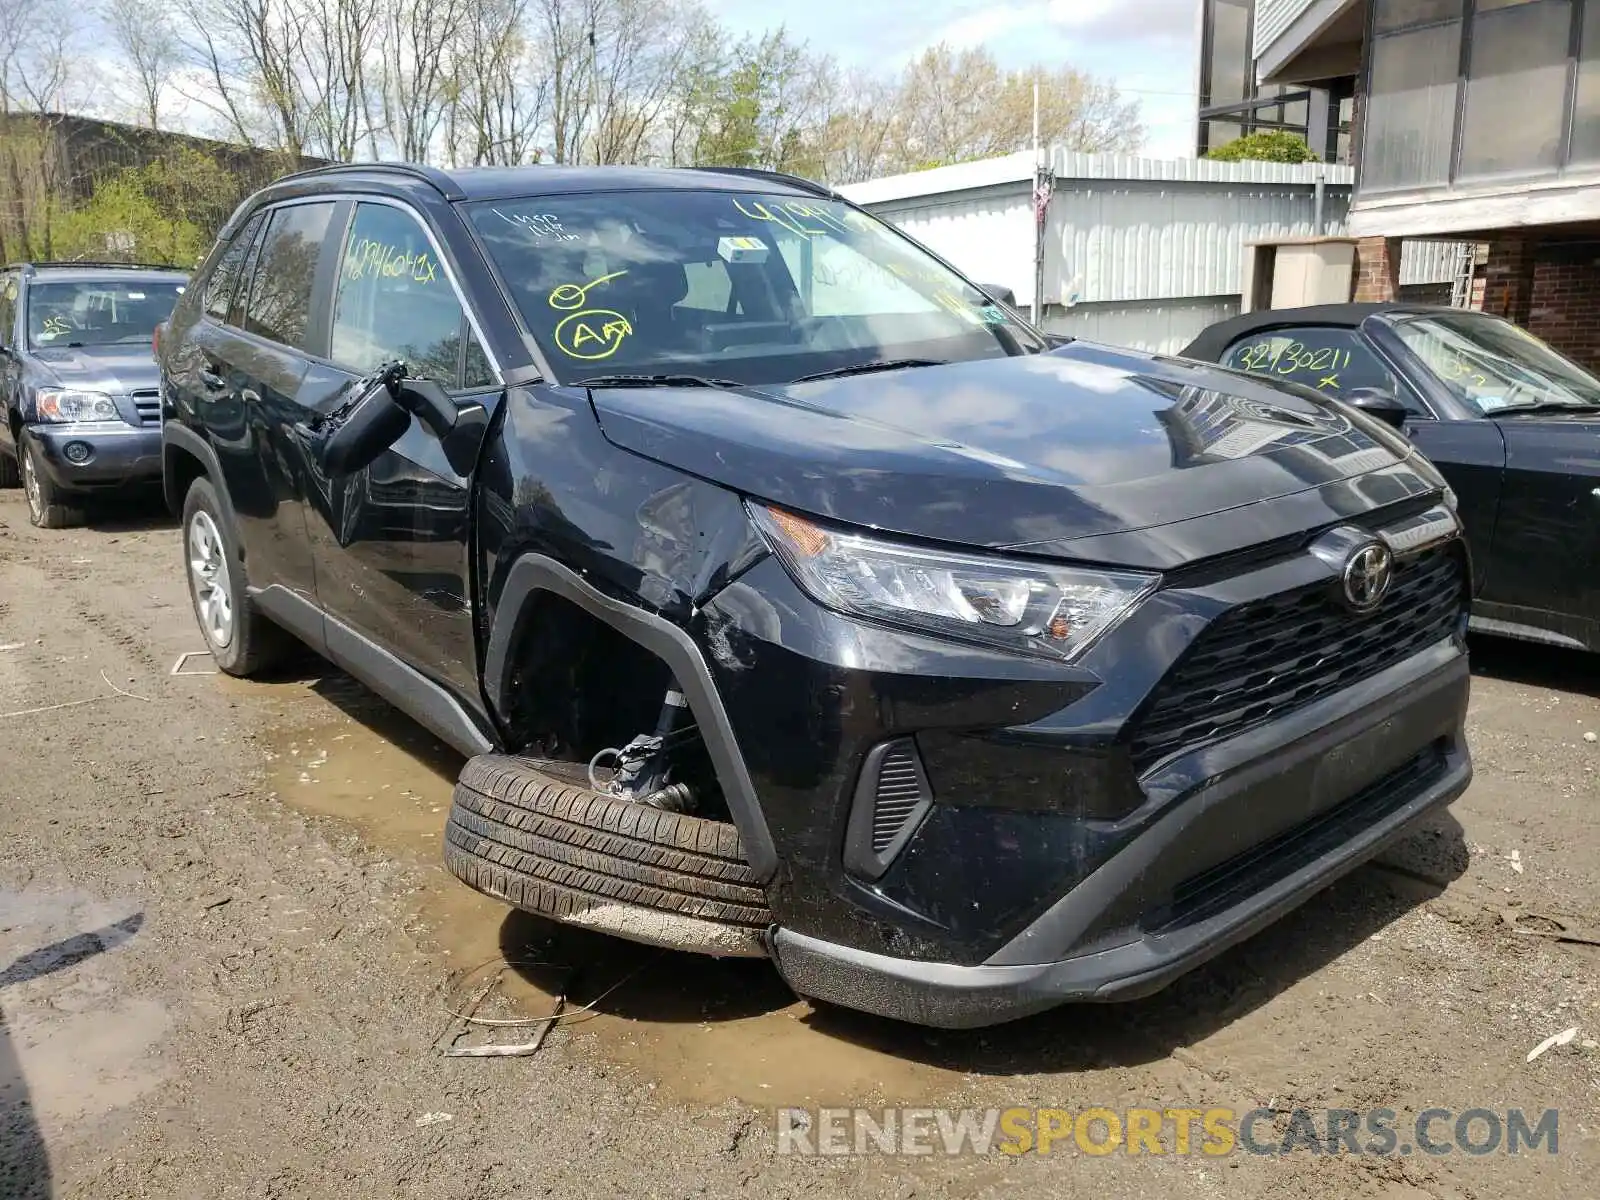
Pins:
x,y
79,391
794,598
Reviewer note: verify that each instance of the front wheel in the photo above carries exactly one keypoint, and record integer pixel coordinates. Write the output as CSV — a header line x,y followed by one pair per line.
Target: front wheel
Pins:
x,y
48,507
242,641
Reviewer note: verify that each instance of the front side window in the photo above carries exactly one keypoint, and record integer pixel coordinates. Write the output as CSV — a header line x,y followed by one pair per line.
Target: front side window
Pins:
x,y
1494,366
394,301
1329,358
756,288
98,312
285,270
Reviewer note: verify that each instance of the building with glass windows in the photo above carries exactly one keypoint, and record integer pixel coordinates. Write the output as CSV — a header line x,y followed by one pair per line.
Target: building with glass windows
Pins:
x,y
1474,120
1233,103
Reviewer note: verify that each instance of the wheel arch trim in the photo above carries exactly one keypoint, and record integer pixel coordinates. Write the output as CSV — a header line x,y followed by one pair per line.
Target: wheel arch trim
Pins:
x,y
534,573
179,437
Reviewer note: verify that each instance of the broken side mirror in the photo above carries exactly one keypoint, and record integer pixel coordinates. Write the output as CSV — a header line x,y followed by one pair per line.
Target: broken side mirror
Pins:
x,y
367,427
430,404
1379,403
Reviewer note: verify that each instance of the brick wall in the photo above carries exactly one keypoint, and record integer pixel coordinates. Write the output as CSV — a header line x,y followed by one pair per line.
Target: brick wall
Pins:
x,y
1377,269
1564,308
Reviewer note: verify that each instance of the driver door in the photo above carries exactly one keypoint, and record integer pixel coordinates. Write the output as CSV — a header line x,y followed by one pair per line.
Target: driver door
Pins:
x,y
391,541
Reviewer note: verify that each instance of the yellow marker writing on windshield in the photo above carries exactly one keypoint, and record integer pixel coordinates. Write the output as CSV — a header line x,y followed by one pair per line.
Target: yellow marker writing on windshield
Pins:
x,y
591,334
573,295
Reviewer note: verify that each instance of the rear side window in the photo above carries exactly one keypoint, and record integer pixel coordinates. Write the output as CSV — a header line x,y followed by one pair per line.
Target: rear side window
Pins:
x,y
1324,357
396,302
280,288
230,266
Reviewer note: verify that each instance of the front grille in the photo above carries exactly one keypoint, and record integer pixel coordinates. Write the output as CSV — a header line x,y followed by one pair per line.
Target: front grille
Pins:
x,y
900,793
1231,882
148,405
1272,656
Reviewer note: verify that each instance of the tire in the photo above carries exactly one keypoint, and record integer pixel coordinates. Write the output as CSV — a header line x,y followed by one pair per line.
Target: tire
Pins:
x,y
10,471
527,832
247,642
48,506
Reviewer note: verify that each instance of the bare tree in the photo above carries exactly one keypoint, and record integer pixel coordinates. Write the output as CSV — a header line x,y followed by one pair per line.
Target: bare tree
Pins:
x,y
252,52
335,56
144,32
420,54
500,98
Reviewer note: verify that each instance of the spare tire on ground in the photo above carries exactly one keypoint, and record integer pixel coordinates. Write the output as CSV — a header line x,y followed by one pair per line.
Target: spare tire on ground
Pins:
x,y
532,833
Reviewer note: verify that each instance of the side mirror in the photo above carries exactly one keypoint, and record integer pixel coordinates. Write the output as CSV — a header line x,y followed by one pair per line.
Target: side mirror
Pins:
x,y
430,404
1376,402
997,292
368,427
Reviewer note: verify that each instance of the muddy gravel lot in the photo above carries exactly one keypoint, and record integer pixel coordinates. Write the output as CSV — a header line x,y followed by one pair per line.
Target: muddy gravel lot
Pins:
x,y
228,948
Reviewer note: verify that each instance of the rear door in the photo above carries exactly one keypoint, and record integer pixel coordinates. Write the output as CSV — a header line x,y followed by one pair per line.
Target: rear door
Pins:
x,y
391,541
253,368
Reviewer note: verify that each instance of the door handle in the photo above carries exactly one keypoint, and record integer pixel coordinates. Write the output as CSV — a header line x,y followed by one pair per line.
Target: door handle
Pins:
x,y
250,396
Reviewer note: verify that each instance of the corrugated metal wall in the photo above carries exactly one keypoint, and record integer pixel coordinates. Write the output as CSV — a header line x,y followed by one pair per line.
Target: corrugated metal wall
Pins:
x,y
1139,252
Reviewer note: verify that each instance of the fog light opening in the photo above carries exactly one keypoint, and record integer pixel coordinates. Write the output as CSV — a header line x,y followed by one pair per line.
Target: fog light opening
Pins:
x,y
78,452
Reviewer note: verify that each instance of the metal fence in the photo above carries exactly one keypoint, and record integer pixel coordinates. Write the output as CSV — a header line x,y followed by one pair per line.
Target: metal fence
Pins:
x,y
1138,252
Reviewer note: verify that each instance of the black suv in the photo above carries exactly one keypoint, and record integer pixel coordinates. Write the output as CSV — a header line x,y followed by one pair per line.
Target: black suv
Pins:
x,y
793,598
79,396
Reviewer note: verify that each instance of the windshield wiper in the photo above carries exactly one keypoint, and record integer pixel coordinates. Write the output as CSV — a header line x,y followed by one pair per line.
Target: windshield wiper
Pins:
x,y
880,364
657,381
1545,406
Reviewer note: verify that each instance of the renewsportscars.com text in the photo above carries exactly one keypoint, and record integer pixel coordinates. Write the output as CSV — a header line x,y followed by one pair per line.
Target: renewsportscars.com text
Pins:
x,y
1211,1132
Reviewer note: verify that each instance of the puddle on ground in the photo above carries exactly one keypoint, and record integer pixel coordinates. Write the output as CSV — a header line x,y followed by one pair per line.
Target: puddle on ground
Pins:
x,y
74,1045
703,1029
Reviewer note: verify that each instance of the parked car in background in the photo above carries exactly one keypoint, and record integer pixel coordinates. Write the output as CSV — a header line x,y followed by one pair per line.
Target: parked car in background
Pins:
x,y
1512,425
79,392
792,598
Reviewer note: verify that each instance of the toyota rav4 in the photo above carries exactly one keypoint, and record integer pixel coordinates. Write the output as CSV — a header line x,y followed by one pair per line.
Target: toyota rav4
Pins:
x,y
792,597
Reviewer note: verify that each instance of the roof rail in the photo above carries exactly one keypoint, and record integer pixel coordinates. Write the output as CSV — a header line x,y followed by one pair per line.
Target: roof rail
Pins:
x,y
798,181
95,264
441,181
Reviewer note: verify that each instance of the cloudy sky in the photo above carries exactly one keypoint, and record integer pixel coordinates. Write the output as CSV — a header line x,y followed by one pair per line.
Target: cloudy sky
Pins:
x,y
1147,47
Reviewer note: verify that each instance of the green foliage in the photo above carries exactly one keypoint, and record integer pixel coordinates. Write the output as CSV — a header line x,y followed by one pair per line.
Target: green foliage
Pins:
x,y
1267,145
162,212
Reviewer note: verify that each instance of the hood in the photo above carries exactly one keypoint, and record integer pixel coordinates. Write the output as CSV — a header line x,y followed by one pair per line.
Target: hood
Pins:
x,y
1032,453
116,370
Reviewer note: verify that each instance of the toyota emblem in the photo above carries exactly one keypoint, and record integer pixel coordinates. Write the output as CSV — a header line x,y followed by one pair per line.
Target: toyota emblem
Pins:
x,y
1367,575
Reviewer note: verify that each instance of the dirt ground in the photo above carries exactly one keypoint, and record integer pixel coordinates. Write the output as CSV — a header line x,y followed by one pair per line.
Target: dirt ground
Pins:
x,y
227,946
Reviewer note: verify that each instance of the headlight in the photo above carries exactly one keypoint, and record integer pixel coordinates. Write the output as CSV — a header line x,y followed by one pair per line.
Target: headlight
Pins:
x,y
1031,607
57,405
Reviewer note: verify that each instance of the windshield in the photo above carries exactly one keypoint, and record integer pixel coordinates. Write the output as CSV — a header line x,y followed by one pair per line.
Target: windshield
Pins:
x,y
98,312
737,285
1495,366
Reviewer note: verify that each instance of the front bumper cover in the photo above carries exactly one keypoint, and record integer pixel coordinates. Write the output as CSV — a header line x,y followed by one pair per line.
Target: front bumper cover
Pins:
x,y
1343,778
119,453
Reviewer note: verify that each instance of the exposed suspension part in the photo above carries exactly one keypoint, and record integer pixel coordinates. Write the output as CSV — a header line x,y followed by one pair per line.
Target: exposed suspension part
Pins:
x,y
643,768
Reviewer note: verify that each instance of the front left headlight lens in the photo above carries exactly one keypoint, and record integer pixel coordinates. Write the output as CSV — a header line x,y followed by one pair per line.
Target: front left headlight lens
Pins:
x,y
1029,607
55,404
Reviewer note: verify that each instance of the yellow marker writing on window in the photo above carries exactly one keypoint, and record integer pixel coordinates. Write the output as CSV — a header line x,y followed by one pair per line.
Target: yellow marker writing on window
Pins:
x,y
370,259
573,295
592,334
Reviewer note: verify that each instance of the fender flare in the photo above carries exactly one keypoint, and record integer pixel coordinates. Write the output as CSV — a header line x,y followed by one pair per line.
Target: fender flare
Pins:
x,y
672,645
175,435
